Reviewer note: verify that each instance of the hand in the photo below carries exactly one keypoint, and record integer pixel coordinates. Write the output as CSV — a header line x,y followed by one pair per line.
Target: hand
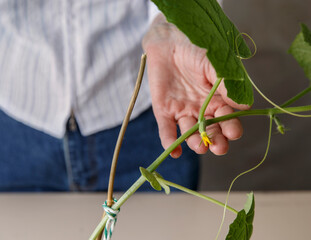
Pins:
x,y
180,77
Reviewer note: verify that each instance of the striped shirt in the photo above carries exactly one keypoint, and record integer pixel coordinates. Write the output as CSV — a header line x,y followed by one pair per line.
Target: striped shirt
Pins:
x,y
58,56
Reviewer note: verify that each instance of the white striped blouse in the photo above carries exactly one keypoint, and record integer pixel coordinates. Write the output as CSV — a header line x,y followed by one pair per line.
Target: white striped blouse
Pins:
x,y
58,56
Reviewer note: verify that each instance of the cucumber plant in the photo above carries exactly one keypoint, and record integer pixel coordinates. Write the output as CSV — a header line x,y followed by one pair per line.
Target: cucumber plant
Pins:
x,y
206,25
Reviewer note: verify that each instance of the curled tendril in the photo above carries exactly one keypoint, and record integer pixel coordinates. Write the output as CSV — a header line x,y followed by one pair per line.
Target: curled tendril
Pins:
x,y
237,48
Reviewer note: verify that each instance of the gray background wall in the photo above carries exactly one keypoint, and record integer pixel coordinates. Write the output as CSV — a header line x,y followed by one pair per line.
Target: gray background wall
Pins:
x,y
273,24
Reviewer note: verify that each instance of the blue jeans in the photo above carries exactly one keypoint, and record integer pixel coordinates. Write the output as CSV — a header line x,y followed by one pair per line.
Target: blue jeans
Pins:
x,y
33,161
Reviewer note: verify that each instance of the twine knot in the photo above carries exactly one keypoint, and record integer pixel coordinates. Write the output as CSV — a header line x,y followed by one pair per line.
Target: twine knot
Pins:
x,y
112,219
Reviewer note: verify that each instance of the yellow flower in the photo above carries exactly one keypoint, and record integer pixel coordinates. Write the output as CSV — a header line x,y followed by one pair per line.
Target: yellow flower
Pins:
x,y
205,139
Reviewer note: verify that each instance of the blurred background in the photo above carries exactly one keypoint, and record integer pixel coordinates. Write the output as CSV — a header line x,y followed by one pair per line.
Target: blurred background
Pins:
x,y
273,24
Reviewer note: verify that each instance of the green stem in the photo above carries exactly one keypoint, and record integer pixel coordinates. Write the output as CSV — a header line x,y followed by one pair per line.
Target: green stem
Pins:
x,y
166,153
208,99
212,200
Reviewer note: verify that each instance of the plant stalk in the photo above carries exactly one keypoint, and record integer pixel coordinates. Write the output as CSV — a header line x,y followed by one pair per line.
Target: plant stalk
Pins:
x,y
123,129
166,153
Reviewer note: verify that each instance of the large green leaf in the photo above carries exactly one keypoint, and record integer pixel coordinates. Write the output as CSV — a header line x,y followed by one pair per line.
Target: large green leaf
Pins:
x,y
301,49
242,227
206,25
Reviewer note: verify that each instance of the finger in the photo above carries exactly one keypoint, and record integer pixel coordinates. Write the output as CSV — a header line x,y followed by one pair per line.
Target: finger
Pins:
x,y
231,129
219,141
194,141
168,134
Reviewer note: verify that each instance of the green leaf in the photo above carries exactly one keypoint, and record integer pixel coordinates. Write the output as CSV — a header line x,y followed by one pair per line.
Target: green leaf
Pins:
x,y
206,25
242,227
301,49
150,178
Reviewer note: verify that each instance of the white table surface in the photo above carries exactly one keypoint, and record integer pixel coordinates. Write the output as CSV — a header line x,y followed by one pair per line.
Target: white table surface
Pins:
x,y
284,215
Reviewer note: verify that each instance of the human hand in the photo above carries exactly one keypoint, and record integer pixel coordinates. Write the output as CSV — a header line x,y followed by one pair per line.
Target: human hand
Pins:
x,y
180,78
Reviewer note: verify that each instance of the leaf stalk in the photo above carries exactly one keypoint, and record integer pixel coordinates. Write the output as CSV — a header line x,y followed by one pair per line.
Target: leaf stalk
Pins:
x,y
194,193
